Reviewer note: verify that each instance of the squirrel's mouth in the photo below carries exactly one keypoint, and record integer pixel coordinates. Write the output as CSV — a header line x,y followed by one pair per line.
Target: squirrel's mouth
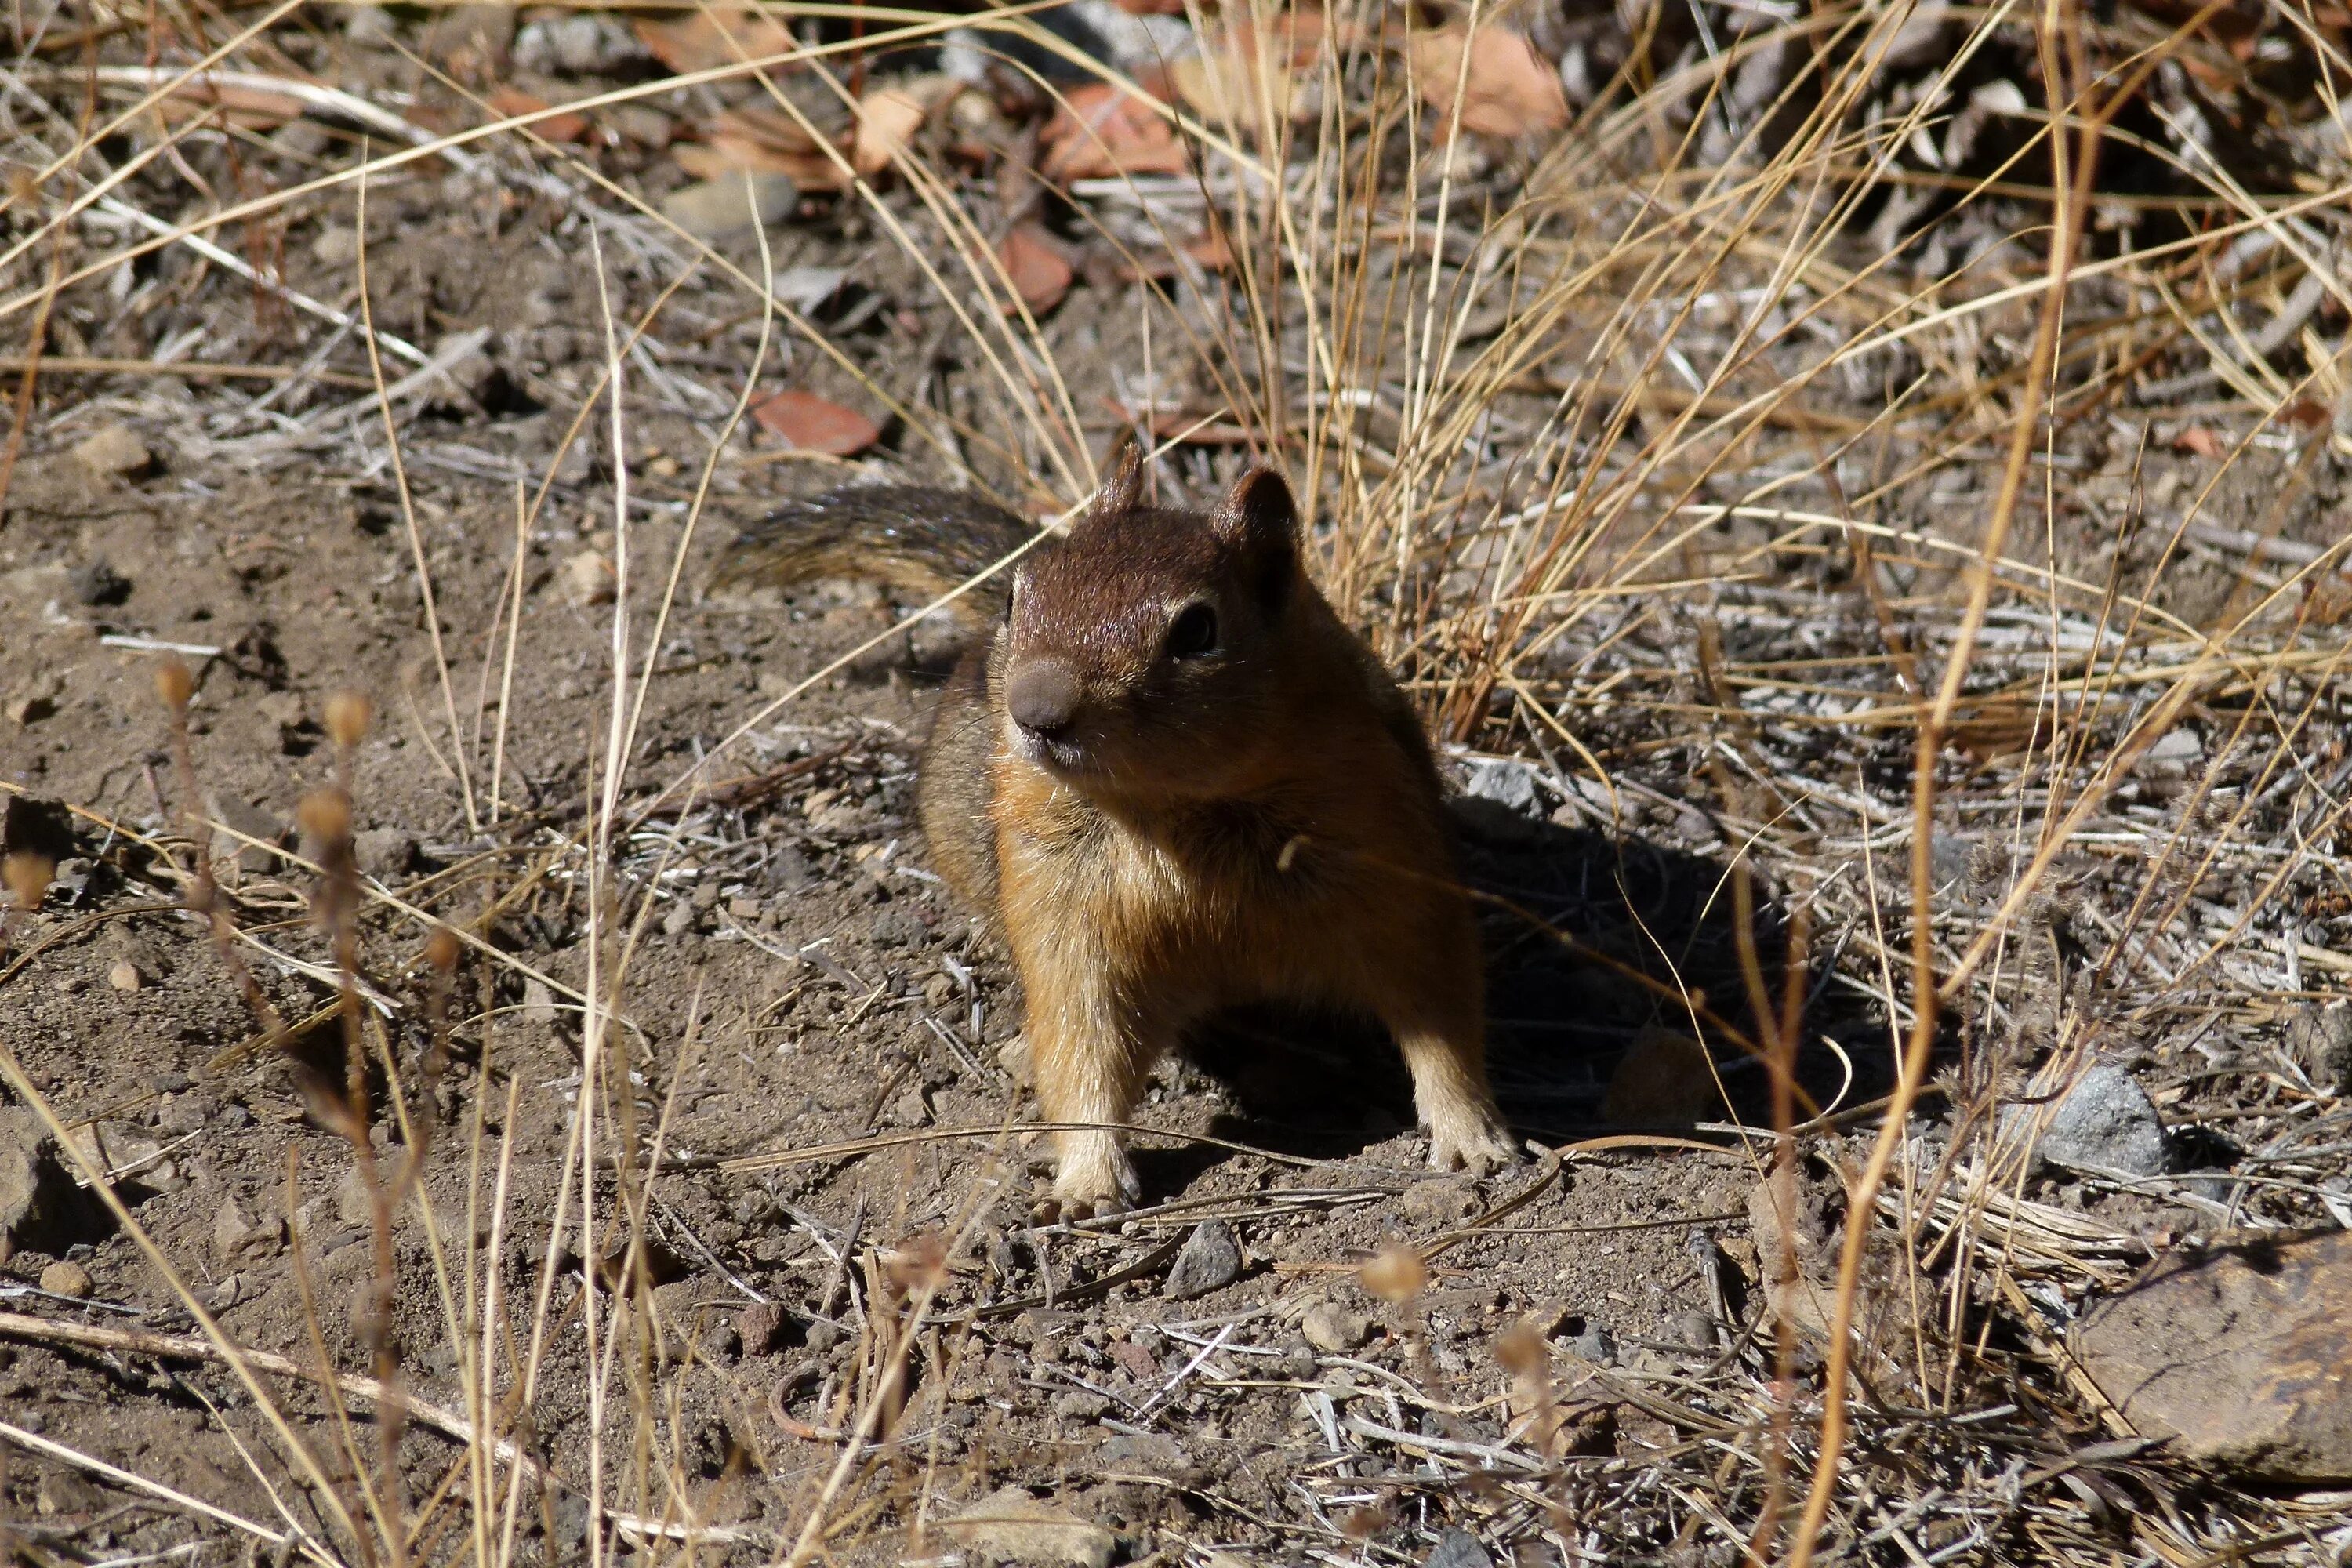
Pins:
x,y
1059,754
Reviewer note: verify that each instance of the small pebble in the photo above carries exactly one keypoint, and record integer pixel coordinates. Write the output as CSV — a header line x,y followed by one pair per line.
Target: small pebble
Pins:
x,y
64,1278
1333,1329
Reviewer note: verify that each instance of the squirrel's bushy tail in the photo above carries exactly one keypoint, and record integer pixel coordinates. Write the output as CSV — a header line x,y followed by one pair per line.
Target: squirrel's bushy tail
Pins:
x,y
918,540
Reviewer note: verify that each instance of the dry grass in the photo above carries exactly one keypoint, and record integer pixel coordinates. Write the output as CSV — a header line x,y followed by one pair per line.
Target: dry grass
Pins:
x,y
1644,465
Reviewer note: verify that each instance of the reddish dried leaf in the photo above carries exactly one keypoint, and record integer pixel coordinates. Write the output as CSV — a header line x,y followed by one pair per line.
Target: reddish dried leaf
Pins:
x,y
2307,413
1041,274
2203,442
887,120
1507,89
512,103
1104,130
813,425
703,40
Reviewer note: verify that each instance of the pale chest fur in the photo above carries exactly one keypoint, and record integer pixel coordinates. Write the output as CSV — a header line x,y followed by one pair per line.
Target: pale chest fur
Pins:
x,y
1203,888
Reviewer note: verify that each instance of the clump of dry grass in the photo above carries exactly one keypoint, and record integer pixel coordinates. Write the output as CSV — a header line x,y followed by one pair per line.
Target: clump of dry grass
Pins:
x,y
1746,531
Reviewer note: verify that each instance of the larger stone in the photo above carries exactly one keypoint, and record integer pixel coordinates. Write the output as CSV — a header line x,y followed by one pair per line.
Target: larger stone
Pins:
x,y
2105,1124
2242,1355
37,1199
1211,1260
1010,1526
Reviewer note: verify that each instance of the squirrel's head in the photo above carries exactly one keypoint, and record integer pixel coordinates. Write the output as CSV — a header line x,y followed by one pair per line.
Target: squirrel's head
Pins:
x,y
1142,656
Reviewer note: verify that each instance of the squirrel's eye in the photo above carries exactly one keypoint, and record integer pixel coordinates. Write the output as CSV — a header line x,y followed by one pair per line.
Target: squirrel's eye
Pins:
x,y
1193,632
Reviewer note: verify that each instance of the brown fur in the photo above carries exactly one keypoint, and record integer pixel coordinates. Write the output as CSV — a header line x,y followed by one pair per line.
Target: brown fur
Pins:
x,y
1257,821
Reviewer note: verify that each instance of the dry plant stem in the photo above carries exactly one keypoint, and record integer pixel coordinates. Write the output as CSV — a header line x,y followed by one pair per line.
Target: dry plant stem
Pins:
x,y
702,487
2060,26
33,1442
31,374
408,514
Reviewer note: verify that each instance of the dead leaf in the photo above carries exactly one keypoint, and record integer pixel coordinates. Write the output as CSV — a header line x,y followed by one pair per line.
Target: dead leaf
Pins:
x,y
1506,90
713,38
887,120
2203,442
1103,131
1244,69
763,141
512,102
1040,272
812,424
888,117
2307,413
1237,80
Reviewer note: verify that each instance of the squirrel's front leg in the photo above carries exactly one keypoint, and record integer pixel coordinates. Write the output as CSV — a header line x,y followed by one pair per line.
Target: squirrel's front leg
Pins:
x,y
1091,1046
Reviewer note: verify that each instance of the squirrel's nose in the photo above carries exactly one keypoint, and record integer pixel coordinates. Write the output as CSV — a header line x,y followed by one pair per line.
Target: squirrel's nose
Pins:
x,y
1042,697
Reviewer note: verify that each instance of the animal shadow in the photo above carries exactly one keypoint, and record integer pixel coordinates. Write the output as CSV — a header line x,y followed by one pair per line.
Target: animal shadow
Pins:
x,y
1599,946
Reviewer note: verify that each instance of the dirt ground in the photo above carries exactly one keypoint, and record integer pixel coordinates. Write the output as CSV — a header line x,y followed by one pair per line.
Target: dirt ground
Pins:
x,y
823,1112
800,982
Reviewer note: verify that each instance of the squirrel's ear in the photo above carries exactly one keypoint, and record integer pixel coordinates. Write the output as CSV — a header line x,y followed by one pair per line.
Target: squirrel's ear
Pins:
x,y
1259,516
1122,485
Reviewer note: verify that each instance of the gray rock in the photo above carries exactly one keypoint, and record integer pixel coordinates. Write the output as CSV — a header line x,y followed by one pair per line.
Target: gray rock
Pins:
x,y
579,43
1080,1405
370,26
1457,1548
252,821
1211,1260
1595,1344
1507,782
2105,1124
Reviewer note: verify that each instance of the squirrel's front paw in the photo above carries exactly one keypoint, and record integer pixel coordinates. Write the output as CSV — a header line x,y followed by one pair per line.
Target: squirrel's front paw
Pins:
x,y
1473,1141
1096,1177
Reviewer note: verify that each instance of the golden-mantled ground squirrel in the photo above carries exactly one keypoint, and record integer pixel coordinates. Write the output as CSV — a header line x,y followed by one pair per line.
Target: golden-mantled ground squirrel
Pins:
x,y
1173,781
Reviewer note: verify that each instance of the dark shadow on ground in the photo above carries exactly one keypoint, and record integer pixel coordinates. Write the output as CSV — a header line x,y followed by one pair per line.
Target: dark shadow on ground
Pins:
x,y
1592,941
